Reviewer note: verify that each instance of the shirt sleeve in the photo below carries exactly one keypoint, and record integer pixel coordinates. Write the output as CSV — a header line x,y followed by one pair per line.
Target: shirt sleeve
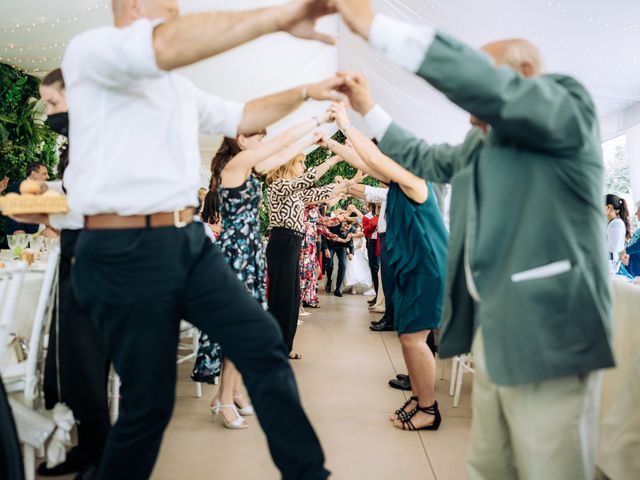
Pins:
x,y
375,194
112,56
378,122
217,115
316,194
67,221
289,187
404,43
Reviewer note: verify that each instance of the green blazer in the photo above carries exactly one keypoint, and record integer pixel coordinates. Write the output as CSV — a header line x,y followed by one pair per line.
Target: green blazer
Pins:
x,y
527,214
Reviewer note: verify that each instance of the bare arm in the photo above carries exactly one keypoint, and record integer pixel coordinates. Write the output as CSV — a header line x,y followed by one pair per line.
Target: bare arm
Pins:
x,y
262,112
413,186
192,38
352,158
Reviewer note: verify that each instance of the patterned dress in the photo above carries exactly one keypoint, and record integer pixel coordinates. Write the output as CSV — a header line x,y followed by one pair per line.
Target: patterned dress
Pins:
x,y
243,249
309,258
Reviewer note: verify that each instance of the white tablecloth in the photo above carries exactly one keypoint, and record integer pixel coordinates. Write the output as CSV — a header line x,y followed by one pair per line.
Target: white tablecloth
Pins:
x,y
619,442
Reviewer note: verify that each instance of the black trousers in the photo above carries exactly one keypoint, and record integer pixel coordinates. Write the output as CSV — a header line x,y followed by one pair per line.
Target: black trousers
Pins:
x,y
138,284
388,280
283,273
374,261
340,252
80,360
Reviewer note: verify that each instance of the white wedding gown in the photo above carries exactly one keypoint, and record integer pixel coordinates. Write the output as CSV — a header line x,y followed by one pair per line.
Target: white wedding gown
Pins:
x,y
357,273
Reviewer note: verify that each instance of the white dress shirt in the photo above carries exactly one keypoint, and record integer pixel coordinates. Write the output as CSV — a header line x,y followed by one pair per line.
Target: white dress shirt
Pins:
x,y
616,236
134,127
378,195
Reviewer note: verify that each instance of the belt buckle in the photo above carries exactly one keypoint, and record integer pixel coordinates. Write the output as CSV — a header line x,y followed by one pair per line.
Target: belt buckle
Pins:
x,y
176,220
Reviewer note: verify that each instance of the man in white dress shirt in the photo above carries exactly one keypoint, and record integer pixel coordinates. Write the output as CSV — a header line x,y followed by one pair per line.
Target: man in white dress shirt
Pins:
x,y
141,264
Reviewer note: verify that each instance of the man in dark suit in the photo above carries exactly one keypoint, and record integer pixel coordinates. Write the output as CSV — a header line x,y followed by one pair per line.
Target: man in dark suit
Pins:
x,y
35,171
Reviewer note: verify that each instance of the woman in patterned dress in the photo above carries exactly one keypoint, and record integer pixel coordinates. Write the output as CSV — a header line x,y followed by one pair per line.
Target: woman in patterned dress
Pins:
x,y
234,177
309,258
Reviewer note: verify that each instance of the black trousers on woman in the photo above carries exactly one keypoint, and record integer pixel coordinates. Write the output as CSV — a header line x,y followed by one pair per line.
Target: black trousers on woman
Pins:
x,y
283,273
81,362
138,284
374,261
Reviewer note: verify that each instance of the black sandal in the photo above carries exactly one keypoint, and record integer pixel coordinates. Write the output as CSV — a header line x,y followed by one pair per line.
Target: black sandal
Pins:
x,y
407,423
401,412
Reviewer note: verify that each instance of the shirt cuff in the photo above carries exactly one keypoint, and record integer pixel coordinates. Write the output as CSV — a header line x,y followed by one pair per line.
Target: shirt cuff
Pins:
x,y
67,221
234,112
404,43
378,122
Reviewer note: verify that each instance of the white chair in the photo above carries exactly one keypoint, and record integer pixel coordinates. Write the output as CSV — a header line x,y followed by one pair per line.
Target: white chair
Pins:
x,y
460,365
10,284
25,379
185,353
190,351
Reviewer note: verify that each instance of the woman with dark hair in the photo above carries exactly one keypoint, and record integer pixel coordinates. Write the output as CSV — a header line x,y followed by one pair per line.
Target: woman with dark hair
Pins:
x,y
76,354
618,231
416,242
234,199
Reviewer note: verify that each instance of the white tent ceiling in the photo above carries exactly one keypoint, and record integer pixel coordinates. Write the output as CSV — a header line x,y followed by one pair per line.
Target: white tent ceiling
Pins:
x,y
594,40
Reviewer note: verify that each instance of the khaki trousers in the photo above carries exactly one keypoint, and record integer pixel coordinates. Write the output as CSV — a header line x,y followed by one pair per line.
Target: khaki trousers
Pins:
x,y
539,431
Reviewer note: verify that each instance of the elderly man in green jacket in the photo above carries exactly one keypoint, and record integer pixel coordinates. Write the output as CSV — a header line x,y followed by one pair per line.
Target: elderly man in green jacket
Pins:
x,y
527,282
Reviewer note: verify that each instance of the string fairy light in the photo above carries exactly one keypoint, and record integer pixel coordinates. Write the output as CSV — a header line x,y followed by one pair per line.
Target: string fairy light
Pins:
x,y
56,22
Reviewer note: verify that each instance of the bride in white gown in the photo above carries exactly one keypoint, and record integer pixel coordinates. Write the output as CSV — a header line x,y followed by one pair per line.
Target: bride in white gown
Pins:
x,y
358,274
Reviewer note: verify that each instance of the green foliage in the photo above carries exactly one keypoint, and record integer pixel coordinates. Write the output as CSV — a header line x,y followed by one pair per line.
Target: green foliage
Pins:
x,y
618,173
315,158
24,138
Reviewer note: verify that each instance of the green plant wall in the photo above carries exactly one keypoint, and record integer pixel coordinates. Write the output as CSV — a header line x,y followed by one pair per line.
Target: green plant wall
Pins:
x,y
24,138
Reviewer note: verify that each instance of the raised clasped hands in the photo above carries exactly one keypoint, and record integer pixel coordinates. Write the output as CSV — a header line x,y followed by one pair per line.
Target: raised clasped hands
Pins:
x,y
338,113
298,18
356,87
331,89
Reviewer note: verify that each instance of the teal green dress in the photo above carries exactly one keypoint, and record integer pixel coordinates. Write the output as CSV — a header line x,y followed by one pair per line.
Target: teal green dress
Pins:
x,y
416,243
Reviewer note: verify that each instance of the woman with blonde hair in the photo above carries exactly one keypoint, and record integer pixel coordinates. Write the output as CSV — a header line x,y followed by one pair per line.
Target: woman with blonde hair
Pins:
x,y
290,187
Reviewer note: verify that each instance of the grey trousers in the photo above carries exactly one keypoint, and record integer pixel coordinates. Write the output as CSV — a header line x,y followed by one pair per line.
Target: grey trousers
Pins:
x,y
545,430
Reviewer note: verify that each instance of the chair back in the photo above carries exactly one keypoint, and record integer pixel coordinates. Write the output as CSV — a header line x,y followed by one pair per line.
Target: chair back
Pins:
x,y
44,313
10,283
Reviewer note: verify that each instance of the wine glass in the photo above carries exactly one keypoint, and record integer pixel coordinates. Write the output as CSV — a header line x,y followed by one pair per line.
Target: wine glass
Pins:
x,y
12,240
37,241
23,241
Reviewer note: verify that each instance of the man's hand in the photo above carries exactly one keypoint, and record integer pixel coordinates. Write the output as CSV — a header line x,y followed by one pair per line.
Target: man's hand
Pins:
x,y
298,18
339,114
3,184
329,89
356,88
357,14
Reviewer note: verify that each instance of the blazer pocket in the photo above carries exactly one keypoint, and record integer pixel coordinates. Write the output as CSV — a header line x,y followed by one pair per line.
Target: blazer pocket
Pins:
x,y
544,271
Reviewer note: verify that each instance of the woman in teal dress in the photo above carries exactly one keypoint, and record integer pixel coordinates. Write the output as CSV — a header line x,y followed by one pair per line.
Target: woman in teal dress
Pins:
x,y
234,199
416,241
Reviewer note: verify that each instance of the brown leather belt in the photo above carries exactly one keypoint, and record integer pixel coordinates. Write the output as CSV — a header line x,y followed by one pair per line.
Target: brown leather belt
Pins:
x,y
111,221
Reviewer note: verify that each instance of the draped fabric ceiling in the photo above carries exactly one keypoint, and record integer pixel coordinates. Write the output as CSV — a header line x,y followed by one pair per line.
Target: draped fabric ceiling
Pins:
x,y
592,40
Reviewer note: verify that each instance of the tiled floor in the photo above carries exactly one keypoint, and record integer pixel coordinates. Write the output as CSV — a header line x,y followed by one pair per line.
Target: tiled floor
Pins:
x,y
343,383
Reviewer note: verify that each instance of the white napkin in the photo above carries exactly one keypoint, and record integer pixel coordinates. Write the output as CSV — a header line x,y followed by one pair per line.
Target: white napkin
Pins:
x,y
61,438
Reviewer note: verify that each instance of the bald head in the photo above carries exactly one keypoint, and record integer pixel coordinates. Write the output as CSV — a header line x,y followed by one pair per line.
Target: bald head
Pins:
x,y
518,54
125,12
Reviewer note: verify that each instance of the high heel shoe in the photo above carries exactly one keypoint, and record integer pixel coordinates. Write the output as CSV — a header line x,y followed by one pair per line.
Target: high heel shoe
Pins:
x,y
244,411
238,423
407,423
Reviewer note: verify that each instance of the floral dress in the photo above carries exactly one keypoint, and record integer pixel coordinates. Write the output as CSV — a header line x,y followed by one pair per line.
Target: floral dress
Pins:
x,y
243,249
309,258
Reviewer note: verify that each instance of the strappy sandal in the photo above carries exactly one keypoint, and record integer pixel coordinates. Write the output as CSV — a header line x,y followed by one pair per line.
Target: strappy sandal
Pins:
x,y
407,420
401,411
